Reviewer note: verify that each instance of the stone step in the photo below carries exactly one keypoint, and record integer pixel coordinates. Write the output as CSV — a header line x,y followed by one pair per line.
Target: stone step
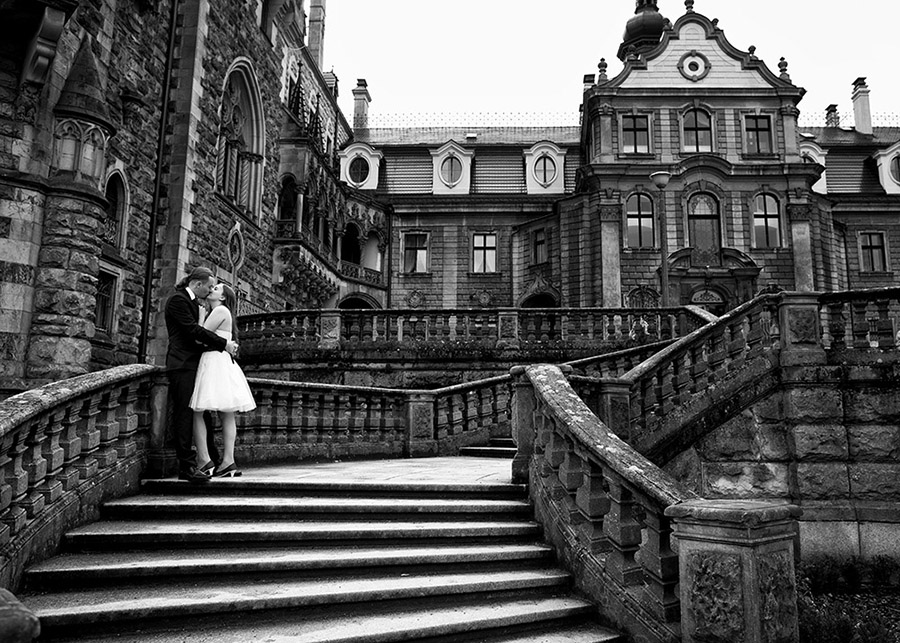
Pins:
x,y
163,506
136,534
182,598
499,618
502,442
488,452
106,567
247,486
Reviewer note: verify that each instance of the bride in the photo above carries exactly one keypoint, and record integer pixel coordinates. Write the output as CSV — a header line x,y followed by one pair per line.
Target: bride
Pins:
x,y
220,385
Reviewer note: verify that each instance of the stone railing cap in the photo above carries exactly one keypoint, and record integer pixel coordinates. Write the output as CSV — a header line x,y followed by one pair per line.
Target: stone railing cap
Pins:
x,y
743,512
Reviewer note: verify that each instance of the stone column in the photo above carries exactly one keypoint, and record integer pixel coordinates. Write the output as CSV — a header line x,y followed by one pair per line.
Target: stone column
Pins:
x,y
789,115
420,425
799,216
522,424
610,251
736,569
615,406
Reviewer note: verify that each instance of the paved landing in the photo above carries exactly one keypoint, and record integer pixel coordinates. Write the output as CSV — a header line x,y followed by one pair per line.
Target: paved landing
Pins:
x,y
465,470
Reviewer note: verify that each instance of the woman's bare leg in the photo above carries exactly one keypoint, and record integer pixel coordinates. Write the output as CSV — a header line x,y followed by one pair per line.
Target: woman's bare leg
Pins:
x,y
200,439
229,436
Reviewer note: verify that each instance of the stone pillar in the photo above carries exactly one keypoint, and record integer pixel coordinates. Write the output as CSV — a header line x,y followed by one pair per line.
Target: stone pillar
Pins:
x,y
610,251
420,425
508,326
523,432
606,134
330,329
161,461
801,240
789,115
615,406
18,624
800,329
736,569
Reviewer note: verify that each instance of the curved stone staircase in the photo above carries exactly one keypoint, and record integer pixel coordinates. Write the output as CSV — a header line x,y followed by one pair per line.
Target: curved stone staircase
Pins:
x,y
280,559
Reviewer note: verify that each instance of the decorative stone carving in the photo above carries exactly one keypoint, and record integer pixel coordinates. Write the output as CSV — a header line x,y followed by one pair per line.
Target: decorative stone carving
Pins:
x,y
611,213
236,247
42,49
415,299
800,212
716,597
778,607
803,326
483,298
540,285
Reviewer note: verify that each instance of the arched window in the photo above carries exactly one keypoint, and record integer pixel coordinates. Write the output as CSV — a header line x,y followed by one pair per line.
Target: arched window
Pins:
x,y
704,227
639,216
766,222
351,251
287,200
697,131
113,225
241,145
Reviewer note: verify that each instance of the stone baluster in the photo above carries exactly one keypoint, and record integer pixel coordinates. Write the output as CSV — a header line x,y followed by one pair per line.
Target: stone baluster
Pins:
x,y
837,324
70,444
681,379
593,503
571,478
647,401
108,426
623,532
699,367
660,564
736,570
860,309
15,481
664,389
35,467
884,325
754,333
736,344
130,419
51,488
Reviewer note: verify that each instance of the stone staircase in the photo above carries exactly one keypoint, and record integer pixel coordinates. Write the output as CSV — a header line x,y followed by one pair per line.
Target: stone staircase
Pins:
x,y
280,559
495,448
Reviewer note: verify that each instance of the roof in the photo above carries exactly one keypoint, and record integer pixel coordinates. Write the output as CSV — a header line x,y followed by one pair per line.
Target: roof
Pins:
x,y
838,136
436,136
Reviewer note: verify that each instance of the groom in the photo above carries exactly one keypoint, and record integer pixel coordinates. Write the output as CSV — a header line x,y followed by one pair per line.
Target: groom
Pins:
x,y
187,341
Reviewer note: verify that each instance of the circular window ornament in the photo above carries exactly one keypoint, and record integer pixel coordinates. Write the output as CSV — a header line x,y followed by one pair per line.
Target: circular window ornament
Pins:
x,y
545,170
895,168
694,66
359,170
451,171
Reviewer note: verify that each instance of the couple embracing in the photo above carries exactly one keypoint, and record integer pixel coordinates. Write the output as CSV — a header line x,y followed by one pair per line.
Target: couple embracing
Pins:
x,y
203,375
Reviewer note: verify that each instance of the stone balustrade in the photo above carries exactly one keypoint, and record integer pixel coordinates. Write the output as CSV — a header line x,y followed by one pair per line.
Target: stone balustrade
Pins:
x,y
498,328
611,514
860,319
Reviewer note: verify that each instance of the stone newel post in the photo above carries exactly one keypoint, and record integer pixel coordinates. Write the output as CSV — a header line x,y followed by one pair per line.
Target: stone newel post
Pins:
x,y
522,424
736,565
420,425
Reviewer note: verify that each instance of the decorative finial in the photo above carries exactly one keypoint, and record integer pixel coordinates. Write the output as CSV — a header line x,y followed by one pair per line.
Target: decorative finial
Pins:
x,y
689,5
602,66
782,67
715,22
752,51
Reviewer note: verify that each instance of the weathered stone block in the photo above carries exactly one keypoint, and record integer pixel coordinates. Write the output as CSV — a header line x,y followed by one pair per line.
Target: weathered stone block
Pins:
x,y
820,442
832,538
746,480
770,409
875,481
872,406
822,480
870,442
812,404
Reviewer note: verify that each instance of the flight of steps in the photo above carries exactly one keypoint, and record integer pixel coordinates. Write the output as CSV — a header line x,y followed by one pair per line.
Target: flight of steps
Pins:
x,y
496,448
242,560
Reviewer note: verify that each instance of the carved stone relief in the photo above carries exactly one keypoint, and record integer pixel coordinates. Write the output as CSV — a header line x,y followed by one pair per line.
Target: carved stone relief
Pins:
x,y
716,597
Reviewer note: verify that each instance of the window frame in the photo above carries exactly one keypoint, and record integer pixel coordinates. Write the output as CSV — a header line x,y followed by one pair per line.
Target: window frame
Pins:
x,y
425,247
547,159
689,219
885,254
641,216
359,158
450,158
684,131
635,130
894,168
123,203
766,217
541,256
747,131
484,249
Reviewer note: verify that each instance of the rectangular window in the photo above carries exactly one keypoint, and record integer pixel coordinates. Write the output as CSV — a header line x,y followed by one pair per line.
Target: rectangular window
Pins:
x,y
106,288
759,134
484,252
635,134
415,252
873,257
766,223
540,246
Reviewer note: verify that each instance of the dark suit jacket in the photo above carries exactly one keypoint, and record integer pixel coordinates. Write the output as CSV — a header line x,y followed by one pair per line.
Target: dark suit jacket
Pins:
x,y
187,338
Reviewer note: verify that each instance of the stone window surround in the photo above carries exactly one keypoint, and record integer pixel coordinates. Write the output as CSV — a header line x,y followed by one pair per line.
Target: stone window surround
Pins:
x,y
118,170
405,234
370,155
885,248
687,196
625,218
651,127
773,138
557,155
711,113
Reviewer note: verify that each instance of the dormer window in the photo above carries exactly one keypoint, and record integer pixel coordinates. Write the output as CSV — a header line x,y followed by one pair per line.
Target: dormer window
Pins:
x,y
451,171
359,170
360,166
544,170
895,168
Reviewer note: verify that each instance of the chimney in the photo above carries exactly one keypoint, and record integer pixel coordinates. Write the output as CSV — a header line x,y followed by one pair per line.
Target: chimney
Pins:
x,y
317,31
861,112
832,118
361,100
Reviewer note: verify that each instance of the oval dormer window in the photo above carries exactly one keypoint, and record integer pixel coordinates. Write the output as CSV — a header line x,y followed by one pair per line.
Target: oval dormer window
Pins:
x,y
545,170
359,170
451,171
895,168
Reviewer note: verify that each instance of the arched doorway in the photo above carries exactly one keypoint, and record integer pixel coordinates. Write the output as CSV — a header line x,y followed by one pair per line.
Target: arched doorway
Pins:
x,y
358,301
540,300
710,300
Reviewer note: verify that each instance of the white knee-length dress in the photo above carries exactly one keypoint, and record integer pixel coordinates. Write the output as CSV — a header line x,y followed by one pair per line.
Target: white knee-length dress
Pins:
x,y
221,384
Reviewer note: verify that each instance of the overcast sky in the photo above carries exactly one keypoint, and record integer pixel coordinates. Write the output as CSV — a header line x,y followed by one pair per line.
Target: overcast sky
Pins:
x,y
477,56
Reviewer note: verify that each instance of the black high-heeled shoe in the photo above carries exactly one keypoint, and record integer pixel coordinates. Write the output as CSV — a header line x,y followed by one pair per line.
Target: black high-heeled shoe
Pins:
x,y
231,471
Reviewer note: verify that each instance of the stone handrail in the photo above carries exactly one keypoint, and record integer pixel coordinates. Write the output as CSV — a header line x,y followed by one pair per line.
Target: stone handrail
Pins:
x,y
610,514
64,448
503,328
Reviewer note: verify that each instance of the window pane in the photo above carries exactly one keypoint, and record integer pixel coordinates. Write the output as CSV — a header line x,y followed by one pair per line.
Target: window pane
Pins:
x,y
490,261
704,143
451,170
